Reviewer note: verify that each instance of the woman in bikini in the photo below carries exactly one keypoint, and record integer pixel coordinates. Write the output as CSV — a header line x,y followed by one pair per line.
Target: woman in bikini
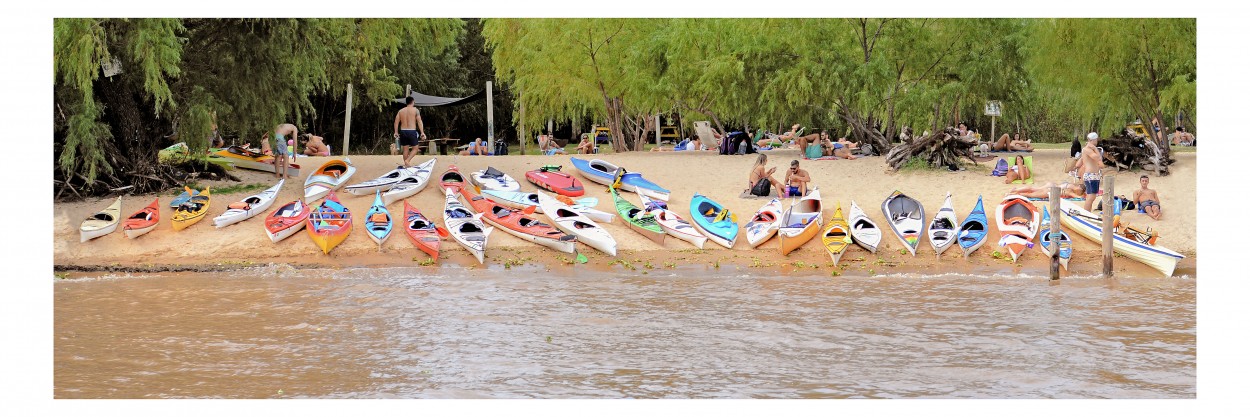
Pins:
x,y
761,178
1018,171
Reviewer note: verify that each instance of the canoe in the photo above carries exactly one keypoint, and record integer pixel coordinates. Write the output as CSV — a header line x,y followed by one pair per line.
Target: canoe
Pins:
x,y
242,210
493,179
382,183
570,221
518,224
466,228
973,231
637,219
378,220
905,215
412,184
286,220
672,224
550,178
1018,221
451,181
521,200
142,221
801,222
102,222
764,223
329,223
183,198
422,232
192,211
864,231
942,228
241,157
602,172
1089,225
836,236
329,177
714,220
1065,241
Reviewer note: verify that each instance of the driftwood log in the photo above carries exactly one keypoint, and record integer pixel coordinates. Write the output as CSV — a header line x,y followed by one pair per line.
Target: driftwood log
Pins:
x,y
941,148
1129,152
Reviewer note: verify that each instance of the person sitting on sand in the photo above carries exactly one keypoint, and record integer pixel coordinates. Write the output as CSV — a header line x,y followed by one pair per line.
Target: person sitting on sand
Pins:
x,y
547,145
478,147
1066,190
1018,171
1147,199
586,146
315,145
761,178
1182,138
796,180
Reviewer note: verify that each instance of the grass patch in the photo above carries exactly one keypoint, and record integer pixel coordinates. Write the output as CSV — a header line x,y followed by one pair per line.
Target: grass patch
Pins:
x,y
424,262
915,163
60,275
240,188
178,190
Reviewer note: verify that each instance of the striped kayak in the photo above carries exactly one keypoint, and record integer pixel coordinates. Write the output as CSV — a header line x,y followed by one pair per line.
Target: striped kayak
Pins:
x,y
378,220
864,231
637,219
973,231
192,211
764,223
521,200
408,186
143,221
1018,221
905,215
242,210
102,222
602,172
423,233
286,220
714,220
519,224
672,224
1065,241
942,229
329,177
1087,224
329,223
801,222
837,236
565,218
382,183
466,228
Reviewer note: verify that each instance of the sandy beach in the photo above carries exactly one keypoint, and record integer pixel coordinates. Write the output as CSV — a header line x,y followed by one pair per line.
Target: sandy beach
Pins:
x,y
723,178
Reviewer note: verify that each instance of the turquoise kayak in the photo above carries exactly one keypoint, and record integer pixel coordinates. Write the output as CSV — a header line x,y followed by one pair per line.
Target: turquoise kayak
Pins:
x,y
714,220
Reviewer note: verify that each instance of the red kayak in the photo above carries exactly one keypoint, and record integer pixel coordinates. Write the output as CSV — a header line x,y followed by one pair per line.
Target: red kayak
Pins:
x,y
143,221
551,179
286,220
451,179
518,224
423,233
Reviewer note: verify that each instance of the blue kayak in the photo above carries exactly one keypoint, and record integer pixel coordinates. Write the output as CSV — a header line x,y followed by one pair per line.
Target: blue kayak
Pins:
x,y
714,220
973,230
378,221
602,172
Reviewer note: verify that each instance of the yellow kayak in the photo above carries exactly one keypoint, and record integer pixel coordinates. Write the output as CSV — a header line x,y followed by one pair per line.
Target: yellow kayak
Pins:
x,y
837,235
193,210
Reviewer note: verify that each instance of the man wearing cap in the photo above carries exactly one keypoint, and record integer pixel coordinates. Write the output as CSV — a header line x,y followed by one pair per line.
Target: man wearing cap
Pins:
x,y
1089,168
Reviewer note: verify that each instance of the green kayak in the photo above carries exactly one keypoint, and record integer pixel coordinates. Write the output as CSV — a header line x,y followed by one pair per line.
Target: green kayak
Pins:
x,y
637,219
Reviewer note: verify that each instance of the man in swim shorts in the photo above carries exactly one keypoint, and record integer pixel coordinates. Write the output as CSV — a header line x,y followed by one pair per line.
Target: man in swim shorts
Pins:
x,y
1148,199
407,123
281,134
1089,168
796,180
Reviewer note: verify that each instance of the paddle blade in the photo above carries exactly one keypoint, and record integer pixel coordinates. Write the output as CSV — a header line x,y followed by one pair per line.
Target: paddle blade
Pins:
x,y
564,199
581,259
528,210
443,233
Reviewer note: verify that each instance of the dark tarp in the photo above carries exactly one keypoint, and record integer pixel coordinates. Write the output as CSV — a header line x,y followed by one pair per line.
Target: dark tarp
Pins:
x,y
423,100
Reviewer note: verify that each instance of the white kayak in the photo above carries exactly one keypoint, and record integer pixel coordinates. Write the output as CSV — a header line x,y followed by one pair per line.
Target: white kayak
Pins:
x,y
329,177
672,224
382,183
570,221
418,177
493,179
943,228
465,227
765,223
102,222
247,208
864,231
906,216
1089,225
520,200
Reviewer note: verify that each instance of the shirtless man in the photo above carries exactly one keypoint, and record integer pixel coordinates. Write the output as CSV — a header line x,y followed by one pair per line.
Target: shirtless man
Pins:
x,y
407,121
1089,169
796,180
1147,199
478,147
281,134
1066,190
315,145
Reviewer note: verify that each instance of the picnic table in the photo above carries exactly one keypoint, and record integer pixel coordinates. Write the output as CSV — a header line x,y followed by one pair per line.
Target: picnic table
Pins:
x,y
444,144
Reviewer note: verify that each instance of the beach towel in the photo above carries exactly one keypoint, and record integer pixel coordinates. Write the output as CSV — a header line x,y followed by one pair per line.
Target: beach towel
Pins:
x,y
1000,168
823,158
1028,162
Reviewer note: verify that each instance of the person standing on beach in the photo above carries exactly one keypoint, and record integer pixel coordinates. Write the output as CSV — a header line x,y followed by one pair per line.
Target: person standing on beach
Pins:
x,y
280,151
407,123
1089,169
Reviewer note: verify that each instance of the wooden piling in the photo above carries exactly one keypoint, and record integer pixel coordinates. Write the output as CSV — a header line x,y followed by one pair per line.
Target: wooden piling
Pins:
x,y
347,122
1108,225
1054,232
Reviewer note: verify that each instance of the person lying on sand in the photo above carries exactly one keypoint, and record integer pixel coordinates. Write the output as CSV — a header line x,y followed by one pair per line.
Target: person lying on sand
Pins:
x,y
315,145
1148,199
478,147
1006,143
842,148
1018,171
1066,190
760,178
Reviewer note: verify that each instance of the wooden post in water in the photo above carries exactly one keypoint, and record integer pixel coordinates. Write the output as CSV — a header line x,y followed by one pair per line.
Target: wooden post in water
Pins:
x,y
490,116
347,122
1108,228
1054,232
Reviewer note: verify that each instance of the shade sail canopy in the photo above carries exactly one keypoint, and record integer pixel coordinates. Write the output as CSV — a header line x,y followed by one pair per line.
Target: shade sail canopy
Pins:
x,y
433,101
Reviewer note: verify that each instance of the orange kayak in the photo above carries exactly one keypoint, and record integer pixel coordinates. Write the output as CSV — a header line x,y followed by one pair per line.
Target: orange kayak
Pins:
x,y
421,231
143,221
518,224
